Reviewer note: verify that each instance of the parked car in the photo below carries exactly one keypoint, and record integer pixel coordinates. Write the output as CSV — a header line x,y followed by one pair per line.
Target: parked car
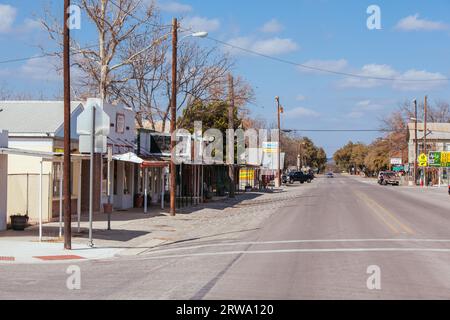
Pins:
x,y
284,178
299,176
329,175
388,177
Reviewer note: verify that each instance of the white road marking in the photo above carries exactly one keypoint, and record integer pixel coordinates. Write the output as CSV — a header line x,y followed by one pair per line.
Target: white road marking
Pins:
x,y
332,250
227,244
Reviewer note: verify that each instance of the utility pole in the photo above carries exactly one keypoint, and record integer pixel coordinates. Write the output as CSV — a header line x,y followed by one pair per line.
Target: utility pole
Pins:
x,y
173,119
279,111
231,127
67,161
416,144
425,106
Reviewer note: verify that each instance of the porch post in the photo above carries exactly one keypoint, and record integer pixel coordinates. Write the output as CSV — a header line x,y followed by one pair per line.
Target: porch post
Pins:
x,y
61,199
162,187
201,187
40,203
79,195
145,189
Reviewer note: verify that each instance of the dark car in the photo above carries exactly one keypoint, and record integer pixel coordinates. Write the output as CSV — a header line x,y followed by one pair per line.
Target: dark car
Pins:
x,y
301,177
330,175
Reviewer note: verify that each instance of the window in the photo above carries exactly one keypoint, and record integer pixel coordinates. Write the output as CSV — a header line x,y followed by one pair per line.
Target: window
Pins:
x,y
120,123
57,175
127,178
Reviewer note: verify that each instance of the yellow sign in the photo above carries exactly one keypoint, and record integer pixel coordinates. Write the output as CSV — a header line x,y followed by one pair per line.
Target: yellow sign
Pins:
x,y
423,160
445,159
246,174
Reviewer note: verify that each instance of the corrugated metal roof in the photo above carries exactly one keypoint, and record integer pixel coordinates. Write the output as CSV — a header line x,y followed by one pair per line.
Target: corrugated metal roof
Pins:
x,y
33,117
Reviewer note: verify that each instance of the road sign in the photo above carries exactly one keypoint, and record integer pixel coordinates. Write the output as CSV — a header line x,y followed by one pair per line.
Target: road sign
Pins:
x,y
423,160
85,125
396,161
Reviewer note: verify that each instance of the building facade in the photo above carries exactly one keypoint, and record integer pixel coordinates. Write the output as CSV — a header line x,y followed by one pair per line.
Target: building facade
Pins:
x,y
437,138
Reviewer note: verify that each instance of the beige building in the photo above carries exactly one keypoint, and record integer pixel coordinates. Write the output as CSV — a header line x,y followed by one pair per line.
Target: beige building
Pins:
x,y
35,144
437,139
3,180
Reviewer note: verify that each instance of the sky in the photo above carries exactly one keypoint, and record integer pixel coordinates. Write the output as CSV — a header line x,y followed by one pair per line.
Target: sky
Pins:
x,y
413,43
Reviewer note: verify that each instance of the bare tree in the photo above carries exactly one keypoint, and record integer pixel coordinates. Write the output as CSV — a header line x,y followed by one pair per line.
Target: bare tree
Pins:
x,y
102,68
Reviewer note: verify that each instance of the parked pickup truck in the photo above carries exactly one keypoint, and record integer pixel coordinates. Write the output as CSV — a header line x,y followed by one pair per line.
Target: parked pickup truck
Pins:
x,y
388,177
301,177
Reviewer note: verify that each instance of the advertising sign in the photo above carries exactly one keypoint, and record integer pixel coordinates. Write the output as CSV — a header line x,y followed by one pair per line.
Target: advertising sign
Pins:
x,y
434,159
270,147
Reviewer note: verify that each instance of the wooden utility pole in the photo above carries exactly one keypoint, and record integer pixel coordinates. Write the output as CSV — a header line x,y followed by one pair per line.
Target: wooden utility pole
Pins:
x,y
231,127
416,143
278,179
173,119
67,161
425,112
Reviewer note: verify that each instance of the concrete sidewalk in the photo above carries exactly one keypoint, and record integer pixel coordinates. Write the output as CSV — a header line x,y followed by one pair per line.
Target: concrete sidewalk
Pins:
x,y
134,232
27,251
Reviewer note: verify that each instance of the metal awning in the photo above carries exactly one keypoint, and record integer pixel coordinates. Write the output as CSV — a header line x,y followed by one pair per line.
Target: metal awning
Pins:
x,y
31,153
128,157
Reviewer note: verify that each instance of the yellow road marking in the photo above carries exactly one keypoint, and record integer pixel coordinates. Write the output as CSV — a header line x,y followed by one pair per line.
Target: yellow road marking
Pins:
x,y
376,208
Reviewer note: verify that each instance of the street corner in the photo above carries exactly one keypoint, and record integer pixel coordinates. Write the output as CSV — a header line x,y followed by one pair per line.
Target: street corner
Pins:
x,y
33,252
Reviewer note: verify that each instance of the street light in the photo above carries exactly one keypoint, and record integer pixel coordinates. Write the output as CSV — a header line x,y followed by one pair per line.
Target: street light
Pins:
x,y
173,109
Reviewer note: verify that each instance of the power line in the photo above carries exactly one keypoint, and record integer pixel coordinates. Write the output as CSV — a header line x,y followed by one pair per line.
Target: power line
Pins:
x,y
45,55
359,76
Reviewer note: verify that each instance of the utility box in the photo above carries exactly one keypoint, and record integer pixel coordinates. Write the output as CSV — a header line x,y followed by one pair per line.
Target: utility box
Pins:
x,y
3,180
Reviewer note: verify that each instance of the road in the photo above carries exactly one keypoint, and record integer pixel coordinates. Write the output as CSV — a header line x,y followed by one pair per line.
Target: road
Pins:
x,y
318,246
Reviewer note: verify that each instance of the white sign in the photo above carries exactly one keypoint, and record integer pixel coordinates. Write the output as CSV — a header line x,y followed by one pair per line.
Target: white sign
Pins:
x,y
396,161
85,125
270,147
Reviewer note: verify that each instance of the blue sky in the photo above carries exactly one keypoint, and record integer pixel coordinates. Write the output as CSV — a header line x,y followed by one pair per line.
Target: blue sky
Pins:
x,y
414,43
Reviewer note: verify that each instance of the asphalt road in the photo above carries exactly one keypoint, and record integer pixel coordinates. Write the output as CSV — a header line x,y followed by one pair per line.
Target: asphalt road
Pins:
x,y
318,246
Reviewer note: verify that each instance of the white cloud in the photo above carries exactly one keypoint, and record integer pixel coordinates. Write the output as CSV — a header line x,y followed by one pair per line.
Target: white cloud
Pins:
x,y
371,71
201,24
7,17
333,65
355,114
301,112
30,25
300,97
175,7
368,105
414,23
272,46
412,85
272,26
40,69
410,80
